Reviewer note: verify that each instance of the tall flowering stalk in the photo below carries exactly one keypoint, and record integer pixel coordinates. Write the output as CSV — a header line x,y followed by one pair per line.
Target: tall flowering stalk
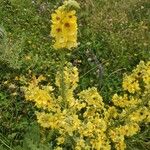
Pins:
x,y
64,26
64,32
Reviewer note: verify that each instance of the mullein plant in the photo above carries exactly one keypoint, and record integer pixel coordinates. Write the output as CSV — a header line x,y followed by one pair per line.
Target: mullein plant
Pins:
x,y
83,118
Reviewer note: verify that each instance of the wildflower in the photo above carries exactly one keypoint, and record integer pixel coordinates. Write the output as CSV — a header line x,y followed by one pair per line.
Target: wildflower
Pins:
x,y
146,74
80,144
92,98
130,84
60,140
111,113
70,77
120,145
125,101
43,119
131,129
139,115
58,148
64,28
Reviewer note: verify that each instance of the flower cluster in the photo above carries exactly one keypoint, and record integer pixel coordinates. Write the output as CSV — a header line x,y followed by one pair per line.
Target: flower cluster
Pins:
x,y
134,104
85,118
79,118
64,27
141,73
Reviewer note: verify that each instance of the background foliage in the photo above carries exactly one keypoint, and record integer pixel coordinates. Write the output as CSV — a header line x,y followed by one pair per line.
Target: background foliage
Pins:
x,y
113,38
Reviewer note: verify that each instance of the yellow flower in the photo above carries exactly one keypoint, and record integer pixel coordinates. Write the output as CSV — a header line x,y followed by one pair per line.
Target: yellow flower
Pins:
x,y
43,119
60,140
120,145
92,98
80,144
131,129
57,16
57,31
64,28
58,148
130,84
139,115
124,101
146,76
70,77
111,113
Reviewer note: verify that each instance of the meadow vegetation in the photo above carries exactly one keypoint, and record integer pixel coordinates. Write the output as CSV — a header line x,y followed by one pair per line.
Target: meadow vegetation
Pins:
x,y
106,77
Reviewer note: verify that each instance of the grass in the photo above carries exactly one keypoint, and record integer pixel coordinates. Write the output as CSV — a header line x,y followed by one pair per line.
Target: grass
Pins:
x,y
113,36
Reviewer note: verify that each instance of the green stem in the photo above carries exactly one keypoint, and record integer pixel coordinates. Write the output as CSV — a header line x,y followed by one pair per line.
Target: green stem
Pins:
x,y
62,82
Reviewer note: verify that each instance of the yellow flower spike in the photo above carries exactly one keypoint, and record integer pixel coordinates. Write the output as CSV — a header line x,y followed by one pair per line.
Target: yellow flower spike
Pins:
x,y
64,27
